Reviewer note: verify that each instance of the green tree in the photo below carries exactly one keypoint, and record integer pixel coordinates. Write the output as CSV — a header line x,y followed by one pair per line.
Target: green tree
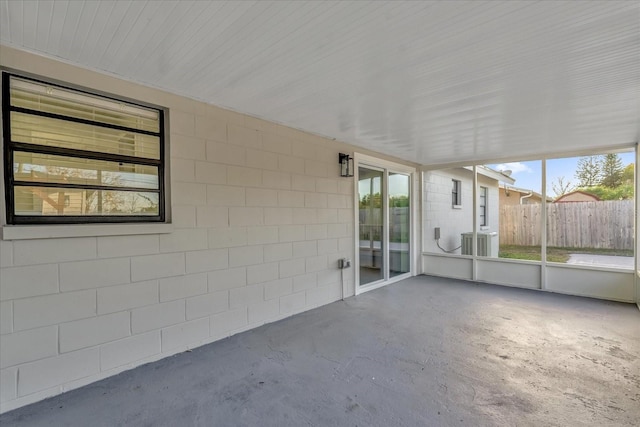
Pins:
x,y
621,192
398,201
612,171
589,171
628,174
369,201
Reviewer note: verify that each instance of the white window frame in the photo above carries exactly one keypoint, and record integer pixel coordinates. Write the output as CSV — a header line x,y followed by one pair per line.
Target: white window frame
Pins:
x,y
456,191
483,208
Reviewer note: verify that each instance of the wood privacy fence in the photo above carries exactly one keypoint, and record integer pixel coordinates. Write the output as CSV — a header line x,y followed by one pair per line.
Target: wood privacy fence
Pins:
x,y
602,225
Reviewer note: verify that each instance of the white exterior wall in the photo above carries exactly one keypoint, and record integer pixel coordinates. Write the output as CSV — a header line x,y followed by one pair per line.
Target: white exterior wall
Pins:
x,y
260,217
438,211
493,211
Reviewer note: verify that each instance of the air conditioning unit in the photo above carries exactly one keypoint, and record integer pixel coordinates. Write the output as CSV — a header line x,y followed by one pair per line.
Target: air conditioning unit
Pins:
x,y
484,244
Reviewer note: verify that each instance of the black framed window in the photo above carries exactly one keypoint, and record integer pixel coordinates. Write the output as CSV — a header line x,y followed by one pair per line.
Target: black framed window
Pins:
x,y
483,206
71,156
456,193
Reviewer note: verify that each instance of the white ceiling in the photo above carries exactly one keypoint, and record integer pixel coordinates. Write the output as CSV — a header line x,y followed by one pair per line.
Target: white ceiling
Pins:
x,y
432,82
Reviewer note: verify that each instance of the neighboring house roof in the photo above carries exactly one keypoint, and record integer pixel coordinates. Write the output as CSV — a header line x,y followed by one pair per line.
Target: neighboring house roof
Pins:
x,y
577,196
524,191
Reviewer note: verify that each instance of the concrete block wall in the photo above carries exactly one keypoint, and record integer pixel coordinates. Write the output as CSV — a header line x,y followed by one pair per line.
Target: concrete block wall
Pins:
x,y
260,217
438,211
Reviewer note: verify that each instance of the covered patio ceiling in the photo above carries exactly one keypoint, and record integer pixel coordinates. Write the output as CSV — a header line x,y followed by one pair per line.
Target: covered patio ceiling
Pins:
x,y
429,82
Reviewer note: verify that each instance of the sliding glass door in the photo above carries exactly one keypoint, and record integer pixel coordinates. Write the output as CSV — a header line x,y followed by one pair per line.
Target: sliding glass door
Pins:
x,y
383,224
399,224
371,229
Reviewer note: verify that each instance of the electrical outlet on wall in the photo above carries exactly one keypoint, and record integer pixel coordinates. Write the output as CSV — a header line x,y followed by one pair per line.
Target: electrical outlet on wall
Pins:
x,y
436,233
344,263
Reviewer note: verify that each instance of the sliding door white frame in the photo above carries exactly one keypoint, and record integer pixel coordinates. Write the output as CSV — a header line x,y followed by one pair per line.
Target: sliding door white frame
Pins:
x,y
362,160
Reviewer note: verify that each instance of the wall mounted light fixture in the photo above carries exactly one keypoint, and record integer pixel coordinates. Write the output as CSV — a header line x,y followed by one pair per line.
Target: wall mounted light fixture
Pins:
x,y
346,164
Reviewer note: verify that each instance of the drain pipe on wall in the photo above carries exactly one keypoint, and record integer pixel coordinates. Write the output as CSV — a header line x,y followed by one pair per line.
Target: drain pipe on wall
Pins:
x,y
526,197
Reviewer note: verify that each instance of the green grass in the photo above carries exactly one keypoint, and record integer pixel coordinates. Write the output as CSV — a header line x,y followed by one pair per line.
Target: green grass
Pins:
x,y
533,253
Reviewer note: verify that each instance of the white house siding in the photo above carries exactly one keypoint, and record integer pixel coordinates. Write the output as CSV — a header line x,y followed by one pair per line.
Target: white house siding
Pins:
x,y
439,212
260,219
493,212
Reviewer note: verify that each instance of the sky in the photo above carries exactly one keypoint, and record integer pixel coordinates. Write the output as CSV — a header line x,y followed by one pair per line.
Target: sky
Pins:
x,y
528,175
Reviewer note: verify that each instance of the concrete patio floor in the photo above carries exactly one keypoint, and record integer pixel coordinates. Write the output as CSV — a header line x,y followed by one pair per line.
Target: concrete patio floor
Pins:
x,y
425,351
605,261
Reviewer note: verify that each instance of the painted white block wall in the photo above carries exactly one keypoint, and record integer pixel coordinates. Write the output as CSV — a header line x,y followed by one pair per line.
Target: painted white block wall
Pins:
x,y
439,212
260,217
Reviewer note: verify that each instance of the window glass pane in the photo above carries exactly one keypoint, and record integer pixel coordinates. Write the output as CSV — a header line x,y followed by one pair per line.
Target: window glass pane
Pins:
x,y
371,226
456,196
43,201
399,223
453,223
59,133
60,179
52,99
591,219
482,211
35,167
